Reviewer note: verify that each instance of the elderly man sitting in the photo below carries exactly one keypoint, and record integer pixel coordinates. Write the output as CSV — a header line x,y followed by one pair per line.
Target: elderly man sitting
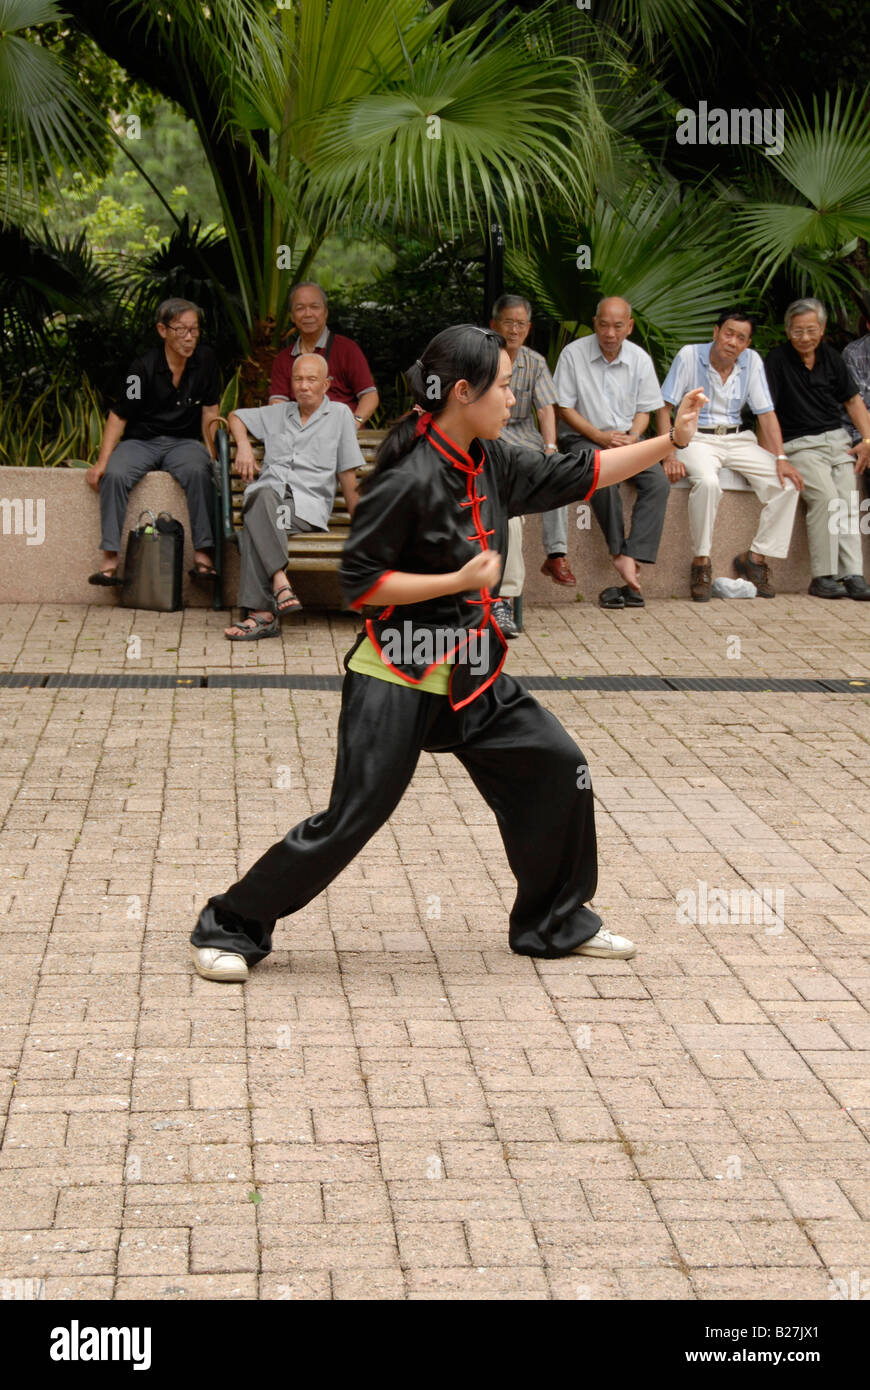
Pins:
x,y
810,385
309,441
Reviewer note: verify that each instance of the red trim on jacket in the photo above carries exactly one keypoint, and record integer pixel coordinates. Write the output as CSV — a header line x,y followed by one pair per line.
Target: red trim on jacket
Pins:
x,y
361,602
595,475
480,688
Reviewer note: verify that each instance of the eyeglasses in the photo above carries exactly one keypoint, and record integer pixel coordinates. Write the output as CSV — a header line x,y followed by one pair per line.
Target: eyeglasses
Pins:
x,y
804,332
183,332
519,324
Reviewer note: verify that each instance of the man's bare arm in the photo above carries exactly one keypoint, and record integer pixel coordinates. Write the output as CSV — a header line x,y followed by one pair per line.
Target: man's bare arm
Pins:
x,y
577,422
770,438
347,481
114,429
366,406
246,465
547,423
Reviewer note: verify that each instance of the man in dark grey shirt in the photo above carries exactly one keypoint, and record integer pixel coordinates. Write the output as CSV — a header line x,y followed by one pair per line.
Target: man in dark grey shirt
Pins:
x,y
164,407
309,442
811,385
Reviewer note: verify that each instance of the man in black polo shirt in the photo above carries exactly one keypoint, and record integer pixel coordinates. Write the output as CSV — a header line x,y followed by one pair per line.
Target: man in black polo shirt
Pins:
x,y
163,409
810,385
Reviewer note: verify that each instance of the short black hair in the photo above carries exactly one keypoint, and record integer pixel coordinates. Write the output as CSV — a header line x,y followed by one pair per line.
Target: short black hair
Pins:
x,y
740,314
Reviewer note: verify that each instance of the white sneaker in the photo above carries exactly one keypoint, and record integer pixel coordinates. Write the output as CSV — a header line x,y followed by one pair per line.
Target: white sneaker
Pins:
x,y
607,945
213,964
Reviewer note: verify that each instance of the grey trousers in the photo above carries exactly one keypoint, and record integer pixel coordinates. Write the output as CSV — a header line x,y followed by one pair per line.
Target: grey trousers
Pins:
x,y
263,544
554,531
186,460
828,470
648,514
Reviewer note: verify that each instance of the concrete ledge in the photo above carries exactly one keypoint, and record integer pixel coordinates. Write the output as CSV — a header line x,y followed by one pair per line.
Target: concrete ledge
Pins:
x,y
50,537
736,524
56,568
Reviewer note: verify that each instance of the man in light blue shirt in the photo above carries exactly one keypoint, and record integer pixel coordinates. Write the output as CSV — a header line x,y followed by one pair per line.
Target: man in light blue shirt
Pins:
x,y
732,376
309,443
607,387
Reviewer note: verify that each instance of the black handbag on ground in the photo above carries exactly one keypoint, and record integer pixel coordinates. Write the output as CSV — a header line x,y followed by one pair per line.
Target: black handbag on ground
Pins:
x,y
153,564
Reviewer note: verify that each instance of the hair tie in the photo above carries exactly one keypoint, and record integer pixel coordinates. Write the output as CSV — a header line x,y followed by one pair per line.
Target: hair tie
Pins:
x,y
418,363
425,418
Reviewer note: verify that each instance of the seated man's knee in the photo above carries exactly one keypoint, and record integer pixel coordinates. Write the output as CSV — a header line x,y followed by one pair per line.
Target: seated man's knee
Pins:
x,y
707,483
120,464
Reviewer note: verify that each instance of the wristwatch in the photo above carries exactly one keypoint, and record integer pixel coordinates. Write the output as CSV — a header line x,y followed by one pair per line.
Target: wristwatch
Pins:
x,y
360,419
550,448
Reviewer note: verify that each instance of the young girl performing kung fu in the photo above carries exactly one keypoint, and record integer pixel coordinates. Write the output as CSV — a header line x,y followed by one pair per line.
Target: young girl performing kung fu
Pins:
x,y
426,543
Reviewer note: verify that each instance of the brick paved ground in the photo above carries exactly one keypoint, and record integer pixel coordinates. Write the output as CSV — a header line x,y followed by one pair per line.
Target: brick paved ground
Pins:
x,y
420,1113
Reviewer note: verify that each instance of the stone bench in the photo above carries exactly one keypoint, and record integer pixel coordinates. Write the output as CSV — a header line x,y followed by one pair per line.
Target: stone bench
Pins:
x,y
52,563
736,524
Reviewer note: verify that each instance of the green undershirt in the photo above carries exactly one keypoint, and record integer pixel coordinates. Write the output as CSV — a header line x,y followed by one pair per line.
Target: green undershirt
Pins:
x,y
367,662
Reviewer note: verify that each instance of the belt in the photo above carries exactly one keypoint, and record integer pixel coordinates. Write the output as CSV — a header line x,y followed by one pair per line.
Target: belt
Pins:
x,y
720,429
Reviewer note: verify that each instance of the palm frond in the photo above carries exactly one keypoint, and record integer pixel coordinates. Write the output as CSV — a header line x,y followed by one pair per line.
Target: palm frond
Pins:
x,y
667,255
474,128
45,121
684,25
814,195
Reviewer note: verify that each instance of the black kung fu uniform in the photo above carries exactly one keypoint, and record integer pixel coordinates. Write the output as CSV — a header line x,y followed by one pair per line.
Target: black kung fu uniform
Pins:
x,y
430,514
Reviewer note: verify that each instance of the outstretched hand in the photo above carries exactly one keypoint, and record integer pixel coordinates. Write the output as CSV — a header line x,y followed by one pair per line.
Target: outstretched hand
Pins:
x,y
686,418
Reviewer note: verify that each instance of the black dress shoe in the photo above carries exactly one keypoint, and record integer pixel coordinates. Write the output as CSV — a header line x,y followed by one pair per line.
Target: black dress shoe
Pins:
x,y
611,598
826,586
632,598
856,586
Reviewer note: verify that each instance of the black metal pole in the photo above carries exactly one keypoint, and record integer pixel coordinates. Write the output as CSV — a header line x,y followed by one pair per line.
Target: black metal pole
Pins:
x,y
493,268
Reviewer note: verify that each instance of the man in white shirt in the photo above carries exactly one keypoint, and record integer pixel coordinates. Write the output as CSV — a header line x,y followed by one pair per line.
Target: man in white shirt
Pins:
x,y
731,375
607,387
309,441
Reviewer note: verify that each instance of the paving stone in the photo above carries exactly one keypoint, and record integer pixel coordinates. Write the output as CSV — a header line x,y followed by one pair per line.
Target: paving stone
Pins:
x,y
395,1106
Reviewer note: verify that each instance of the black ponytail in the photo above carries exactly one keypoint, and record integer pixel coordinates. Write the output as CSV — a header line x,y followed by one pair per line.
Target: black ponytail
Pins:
x,y
462,352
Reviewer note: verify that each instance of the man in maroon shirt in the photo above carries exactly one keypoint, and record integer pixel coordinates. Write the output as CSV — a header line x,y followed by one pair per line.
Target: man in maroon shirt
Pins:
x,y
350,377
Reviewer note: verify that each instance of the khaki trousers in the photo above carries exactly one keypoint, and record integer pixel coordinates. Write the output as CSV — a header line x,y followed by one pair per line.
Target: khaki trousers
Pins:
x,y
704,457
828,471
514,574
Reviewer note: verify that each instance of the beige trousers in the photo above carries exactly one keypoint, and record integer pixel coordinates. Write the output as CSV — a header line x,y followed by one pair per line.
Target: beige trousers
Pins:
x,y
828,471
741,452
514,574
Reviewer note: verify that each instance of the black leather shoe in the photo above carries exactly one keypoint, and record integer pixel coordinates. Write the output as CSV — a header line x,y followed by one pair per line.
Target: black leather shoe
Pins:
x,y
611,598
633,597
856,586
826,586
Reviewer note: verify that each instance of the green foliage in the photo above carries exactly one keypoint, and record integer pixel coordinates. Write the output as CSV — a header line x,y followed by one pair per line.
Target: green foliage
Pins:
x,y
119,212
46,121
59,425
811,202
394,317
668,255
62,315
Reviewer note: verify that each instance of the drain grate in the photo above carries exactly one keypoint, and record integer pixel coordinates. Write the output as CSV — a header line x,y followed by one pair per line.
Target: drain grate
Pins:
x,y
122,680
272,682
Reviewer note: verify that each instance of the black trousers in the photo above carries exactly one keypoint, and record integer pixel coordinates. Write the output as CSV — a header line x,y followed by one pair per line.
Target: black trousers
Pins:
x,y
648,514
524,764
